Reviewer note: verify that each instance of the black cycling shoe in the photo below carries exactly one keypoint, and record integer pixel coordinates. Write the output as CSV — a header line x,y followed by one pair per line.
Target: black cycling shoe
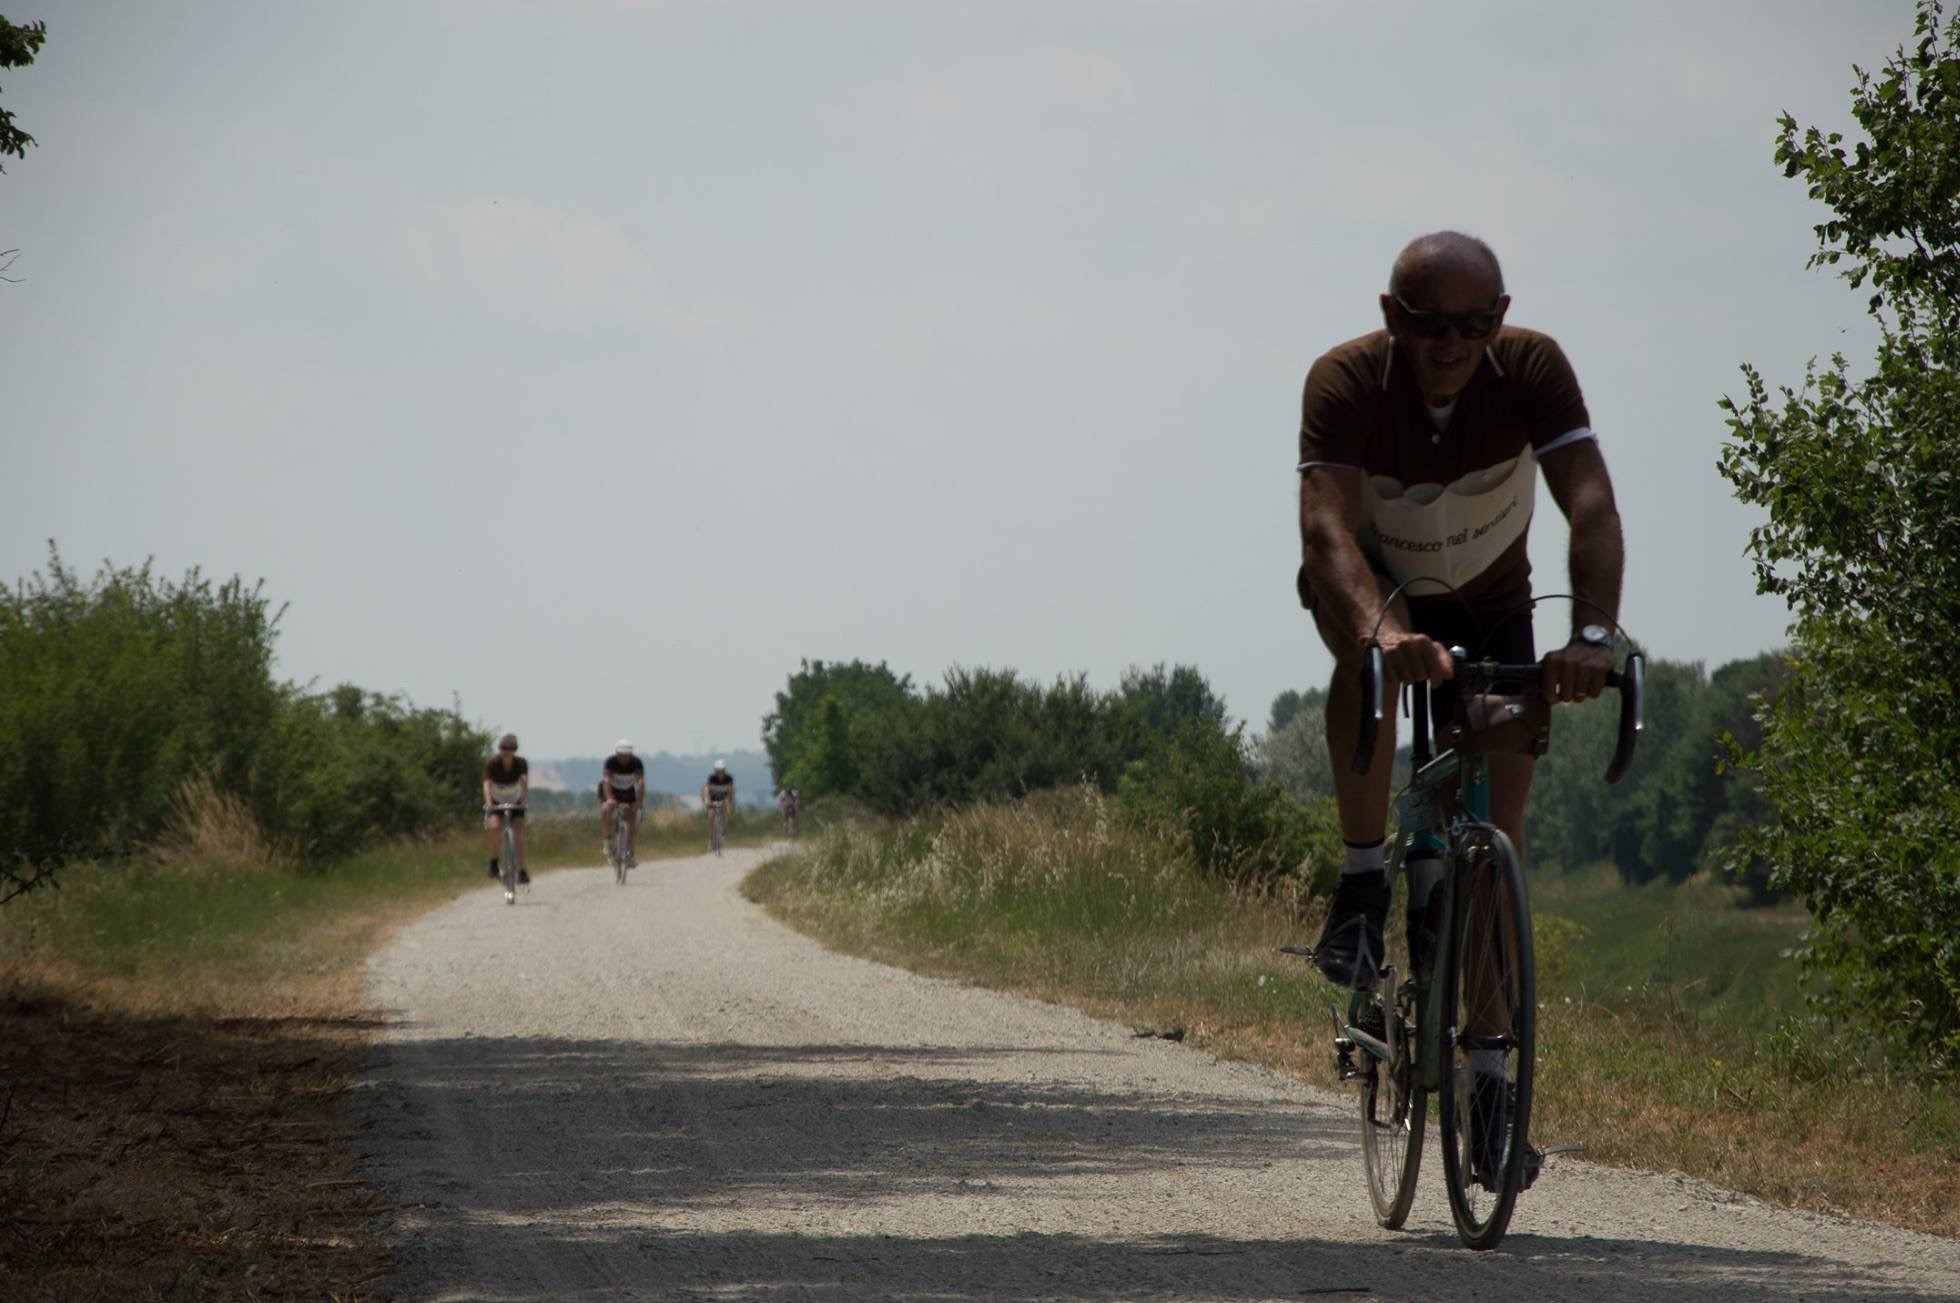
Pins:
x,y
1491,1102
1350,947
493,868
523,877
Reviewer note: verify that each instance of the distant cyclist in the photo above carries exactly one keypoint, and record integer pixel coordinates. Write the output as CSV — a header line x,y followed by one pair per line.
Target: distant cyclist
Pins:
x,y
718,792
622,791
507,781
787,800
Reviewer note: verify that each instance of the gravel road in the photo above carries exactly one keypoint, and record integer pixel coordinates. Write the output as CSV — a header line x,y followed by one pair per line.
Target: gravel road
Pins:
x,y
656,1092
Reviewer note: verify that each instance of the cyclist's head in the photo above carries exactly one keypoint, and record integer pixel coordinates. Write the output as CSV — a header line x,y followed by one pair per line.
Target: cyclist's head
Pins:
x,y
508,742
721,766
1445,300
623,747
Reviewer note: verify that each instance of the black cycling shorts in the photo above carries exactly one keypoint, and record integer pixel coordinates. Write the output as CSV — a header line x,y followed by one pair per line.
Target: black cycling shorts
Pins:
x,y
631,796
514,814
1486,635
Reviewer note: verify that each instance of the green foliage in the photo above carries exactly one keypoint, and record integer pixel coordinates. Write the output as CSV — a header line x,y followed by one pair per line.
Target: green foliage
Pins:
x,y
986,735
1201,786
116,690
346,768
19,43
1293,753
808,736
1860,754
122,689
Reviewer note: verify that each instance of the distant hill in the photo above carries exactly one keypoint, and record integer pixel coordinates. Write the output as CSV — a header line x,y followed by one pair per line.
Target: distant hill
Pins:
x,y
666,772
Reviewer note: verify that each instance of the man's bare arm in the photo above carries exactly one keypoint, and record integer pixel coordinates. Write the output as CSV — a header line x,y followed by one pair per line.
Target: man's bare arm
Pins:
x,y
1596,552
1345,585
1596,558
1330,521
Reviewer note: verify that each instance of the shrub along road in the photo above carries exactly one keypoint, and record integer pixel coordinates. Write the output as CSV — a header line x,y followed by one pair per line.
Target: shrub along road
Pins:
x,y
657,1092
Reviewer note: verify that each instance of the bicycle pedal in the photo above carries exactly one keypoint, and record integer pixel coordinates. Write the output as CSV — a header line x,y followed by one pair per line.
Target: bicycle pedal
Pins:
x,y
1576,1148
1305,952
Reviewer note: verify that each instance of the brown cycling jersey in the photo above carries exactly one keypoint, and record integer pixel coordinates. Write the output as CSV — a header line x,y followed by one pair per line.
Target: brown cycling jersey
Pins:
x,y
502,773
1454,501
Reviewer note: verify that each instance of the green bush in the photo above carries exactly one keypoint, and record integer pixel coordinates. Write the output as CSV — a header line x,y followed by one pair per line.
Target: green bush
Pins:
x,y
116,689
347,767
988,735
1200,787
122,689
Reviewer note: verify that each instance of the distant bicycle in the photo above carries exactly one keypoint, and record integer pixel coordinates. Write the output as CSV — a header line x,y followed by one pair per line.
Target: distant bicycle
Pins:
x,y
717,823
507,858
619,844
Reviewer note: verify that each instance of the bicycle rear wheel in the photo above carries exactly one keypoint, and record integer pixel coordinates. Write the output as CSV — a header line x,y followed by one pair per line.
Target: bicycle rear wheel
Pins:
x,y
1490,1004
1394,1105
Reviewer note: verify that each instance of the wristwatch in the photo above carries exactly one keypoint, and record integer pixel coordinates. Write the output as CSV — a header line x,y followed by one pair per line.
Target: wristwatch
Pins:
x,y
1595,635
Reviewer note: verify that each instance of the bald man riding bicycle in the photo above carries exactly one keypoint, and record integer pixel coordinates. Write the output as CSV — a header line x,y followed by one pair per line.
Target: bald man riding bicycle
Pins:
x,y
1420,448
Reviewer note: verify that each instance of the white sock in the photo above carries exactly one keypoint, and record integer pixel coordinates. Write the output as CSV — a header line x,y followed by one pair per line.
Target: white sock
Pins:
x,y
1489,1062
1366,859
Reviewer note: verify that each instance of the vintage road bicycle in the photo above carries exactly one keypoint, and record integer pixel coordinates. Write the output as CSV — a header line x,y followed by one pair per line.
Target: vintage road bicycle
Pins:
x,y
507,863
1458,984
619,844
717,823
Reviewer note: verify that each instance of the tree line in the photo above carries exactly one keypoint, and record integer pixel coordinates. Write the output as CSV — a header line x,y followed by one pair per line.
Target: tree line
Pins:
x,y
1159,741
125,689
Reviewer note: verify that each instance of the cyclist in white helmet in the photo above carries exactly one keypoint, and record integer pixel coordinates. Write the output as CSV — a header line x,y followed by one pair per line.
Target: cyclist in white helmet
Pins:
x,y
622,791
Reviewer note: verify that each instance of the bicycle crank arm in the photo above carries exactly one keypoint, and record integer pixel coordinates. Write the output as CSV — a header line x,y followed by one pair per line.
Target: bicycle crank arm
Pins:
x,y
1549,1150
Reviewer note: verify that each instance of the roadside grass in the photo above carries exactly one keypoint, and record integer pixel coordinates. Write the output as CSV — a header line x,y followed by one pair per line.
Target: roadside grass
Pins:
x,y
177,1035
186,934
1664,1034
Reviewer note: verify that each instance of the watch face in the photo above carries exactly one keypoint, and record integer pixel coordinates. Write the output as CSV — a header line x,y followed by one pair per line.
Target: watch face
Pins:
x,y
1596,635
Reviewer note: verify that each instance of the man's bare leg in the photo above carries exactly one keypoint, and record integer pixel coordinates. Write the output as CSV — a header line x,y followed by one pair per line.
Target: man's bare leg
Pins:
x,y
1360,904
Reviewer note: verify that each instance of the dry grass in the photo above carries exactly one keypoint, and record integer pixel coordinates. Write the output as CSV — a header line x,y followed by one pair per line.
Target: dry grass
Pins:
x,y
1058,900
212,830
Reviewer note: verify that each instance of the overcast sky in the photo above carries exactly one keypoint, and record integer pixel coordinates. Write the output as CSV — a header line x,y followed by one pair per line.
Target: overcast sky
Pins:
x,y
597,362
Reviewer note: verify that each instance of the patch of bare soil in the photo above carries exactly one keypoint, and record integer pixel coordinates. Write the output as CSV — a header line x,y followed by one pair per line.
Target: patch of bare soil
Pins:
x,y
149,1156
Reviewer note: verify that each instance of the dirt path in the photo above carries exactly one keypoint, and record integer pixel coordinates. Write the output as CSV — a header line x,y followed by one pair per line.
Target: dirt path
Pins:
x,y
656,1092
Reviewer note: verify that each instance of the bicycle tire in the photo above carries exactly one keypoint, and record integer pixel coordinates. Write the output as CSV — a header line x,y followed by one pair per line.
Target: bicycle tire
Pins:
x,y
1394,1110
508,861
1491,937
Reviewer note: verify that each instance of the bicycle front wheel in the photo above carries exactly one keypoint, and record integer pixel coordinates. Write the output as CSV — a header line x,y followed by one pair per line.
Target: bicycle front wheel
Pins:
x,y
508,861
1394,1105
1490,1007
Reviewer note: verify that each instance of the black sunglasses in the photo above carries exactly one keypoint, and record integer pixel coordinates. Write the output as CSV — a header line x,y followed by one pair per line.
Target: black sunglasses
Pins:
x,y
506,748
1431,325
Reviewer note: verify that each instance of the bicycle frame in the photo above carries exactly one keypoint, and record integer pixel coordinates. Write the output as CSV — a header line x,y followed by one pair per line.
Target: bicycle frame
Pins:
x,y
507,858
1420,822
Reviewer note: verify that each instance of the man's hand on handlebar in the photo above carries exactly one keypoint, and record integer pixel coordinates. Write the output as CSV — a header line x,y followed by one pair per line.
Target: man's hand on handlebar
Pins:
x,y
1414,658
1575,672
